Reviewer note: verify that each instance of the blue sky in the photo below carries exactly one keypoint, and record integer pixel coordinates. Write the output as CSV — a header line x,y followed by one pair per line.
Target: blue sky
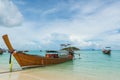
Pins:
x,y
45,24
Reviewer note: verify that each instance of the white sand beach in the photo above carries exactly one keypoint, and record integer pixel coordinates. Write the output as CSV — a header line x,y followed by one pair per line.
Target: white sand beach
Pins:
x,y
41,75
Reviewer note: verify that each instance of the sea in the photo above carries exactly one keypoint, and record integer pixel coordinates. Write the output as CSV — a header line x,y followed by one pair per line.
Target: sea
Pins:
x,y
90,65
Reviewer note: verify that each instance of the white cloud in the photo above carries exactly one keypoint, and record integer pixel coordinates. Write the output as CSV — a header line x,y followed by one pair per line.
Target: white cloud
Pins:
x,y
87,27
83,29
50,11
9,14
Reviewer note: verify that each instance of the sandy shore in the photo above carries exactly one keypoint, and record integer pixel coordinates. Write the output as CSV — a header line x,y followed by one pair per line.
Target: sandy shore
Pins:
x,y
34,74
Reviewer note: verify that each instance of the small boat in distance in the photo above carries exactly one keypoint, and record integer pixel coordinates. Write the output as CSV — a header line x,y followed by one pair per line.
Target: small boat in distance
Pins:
x,y
22,51
26,51
51,51
1,51
106,50
28,60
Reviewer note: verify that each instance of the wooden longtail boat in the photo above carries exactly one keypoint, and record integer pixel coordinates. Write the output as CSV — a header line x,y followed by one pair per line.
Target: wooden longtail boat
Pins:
x,y
28,60
107,50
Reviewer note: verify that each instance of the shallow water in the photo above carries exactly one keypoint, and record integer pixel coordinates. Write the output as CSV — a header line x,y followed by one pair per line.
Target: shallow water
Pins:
x,y
92,65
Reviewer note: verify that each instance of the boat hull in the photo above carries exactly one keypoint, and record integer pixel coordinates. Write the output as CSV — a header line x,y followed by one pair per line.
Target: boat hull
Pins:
x,y
27,60
106,51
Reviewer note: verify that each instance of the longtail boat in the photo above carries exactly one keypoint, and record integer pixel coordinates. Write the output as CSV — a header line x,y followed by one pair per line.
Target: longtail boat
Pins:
x,y
28,60
107,50
1,51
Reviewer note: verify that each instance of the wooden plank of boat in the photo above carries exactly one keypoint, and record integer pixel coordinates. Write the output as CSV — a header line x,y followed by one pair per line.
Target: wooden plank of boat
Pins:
x,y
27,60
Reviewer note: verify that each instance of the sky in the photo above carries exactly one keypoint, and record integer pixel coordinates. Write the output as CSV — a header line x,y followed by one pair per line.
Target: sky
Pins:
x,y
45,24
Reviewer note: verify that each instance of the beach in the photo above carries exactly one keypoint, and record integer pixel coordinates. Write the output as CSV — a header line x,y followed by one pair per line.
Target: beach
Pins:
x,y
88,31
41,75
92,65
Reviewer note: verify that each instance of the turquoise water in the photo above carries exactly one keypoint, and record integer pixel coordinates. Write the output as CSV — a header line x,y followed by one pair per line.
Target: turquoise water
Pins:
x,y
92,64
